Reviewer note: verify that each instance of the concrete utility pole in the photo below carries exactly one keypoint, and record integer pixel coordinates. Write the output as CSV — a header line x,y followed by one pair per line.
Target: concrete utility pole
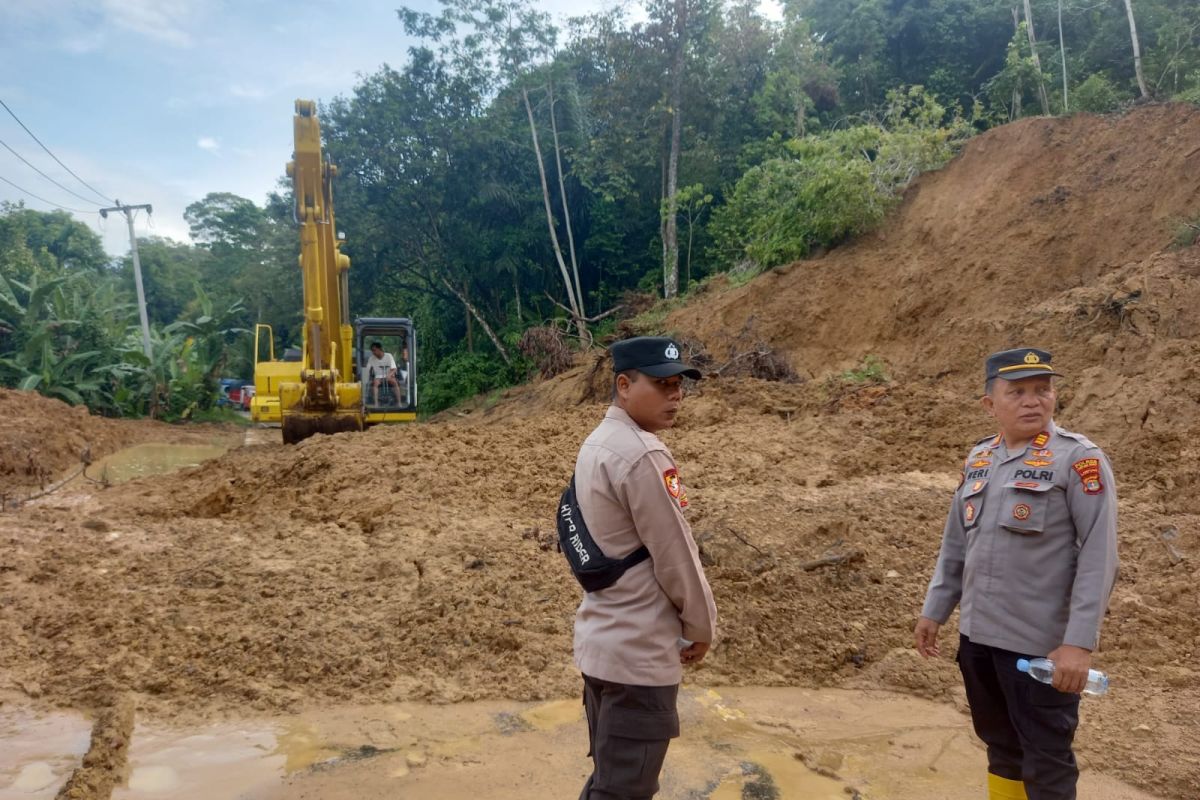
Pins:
x,y
137,269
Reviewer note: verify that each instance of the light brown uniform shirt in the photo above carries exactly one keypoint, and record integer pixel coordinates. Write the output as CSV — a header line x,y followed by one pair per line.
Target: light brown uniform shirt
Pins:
x,y
1029,551
630,494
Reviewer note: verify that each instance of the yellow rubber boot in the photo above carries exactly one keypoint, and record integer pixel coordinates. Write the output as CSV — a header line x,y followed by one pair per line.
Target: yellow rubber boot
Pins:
x,y
1005,789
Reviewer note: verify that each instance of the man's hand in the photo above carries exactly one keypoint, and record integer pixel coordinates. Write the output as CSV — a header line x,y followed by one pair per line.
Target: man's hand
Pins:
x,y
1071,665
926,637
693,653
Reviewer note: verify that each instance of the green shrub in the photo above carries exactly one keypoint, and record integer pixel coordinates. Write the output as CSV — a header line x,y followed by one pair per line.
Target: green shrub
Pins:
x,y
1187,232
1097,94
833,186
1189,96
461,376
872,371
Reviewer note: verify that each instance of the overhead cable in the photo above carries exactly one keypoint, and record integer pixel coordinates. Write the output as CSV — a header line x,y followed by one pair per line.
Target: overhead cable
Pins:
x,y
42,199
44,175
100,194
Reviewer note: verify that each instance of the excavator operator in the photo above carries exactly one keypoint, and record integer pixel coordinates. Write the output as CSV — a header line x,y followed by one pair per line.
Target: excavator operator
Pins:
x,y
382,368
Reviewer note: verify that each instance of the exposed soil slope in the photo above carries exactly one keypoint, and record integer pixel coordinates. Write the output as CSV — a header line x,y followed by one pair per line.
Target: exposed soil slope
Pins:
x,y
416,562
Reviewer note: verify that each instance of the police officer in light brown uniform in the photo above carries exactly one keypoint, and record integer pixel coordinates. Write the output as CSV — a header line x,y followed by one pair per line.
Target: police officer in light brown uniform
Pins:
x,y
628,636
1029,554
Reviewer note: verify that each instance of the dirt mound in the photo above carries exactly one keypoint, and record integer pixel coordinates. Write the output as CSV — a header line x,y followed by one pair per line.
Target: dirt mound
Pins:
x,y
1027,213
417,562
42,438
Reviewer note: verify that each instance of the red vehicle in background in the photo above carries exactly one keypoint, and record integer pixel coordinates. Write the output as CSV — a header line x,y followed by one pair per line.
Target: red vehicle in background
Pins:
x,y
235,394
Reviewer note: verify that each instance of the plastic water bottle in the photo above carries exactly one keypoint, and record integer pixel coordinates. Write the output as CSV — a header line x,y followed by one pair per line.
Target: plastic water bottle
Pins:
x,y
1042,669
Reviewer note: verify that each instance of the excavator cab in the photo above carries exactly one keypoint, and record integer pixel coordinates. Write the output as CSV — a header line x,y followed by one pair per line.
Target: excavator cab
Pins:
x,y
387,396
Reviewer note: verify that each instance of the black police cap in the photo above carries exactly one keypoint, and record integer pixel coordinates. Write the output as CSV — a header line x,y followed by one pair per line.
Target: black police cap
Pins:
x,y
656,356
1013,365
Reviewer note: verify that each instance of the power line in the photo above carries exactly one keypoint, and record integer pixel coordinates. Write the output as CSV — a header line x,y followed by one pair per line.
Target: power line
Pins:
x,y
44,175
100,194
44,200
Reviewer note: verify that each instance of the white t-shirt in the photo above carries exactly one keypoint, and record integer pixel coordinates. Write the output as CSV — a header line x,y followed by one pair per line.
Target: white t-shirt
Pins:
x,y
380,367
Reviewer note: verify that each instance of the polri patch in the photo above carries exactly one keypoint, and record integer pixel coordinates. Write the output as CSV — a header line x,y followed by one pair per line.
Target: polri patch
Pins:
x,y
671,479
1088,470
1021,511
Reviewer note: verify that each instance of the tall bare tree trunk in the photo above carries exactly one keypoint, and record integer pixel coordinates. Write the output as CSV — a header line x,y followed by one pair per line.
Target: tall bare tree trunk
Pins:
x,y
1062,49
474,312
1037,62
517,295
670,229
1015,111
562,265
1137,49
562,193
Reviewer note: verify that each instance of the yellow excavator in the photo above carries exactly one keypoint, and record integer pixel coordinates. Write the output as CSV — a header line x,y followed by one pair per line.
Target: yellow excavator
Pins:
x,y
345,376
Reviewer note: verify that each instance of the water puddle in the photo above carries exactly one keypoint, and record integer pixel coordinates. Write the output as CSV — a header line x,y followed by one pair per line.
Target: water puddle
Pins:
x,y
737,743
777,776
219,761
39,751
553,715
300,745
142,460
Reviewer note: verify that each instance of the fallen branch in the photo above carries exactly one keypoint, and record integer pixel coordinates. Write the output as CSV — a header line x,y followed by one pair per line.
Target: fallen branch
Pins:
x,y
744,541
596,318
55,486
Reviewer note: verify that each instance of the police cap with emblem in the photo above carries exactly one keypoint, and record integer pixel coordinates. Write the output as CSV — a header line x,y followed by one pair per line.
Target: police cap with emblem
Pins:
x,y
1024,362
656,356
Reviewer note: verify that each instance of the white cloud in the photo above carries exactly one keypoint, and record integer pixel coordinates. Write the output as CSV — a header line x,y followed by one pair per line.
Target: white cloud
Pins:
x,y
84,42
247,92
161,20
208,143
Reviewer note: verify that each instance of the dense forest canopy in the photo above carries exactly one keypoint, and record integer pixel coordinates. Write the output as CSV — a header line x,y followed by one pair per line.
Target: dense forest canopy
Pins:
x,y
509,173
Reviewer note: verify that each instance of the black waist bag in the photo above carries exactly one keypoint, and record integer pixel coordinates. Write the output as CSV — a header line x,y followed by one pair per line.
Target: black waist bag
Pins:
x,y
593,569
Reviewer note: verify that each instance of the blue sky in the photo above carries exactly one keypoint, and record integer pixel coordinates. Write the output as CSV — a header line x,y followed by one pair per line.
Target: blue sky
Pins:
x,y
164,101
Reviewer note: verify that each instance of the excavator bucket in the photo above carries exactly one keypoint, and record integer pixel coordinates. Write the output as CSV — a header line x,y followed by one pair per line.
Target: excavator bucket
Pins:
x,y
298,426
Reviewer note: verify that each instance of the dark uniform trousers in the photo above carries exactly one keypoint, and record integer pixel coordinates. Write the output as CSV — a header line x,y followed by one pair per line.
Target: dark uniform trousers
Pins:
x,y
1028,726
629,729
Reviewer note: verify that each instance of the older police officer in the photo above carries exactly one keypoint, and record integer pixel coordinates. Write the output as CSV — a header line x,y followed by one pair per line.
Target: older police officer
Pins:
x,y
627,636
1029,553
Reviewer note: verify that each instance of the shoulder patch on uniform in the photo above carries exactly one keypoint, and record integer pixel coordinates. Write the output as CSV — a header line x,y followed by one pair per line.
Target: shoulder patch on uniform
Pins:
x,y
1088,470
671,479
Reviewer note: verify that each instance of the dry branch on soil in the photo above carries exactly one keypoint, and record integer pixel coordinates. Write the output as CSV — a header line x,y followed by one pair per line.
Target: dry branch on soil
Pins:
x,y
752,357
545,346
